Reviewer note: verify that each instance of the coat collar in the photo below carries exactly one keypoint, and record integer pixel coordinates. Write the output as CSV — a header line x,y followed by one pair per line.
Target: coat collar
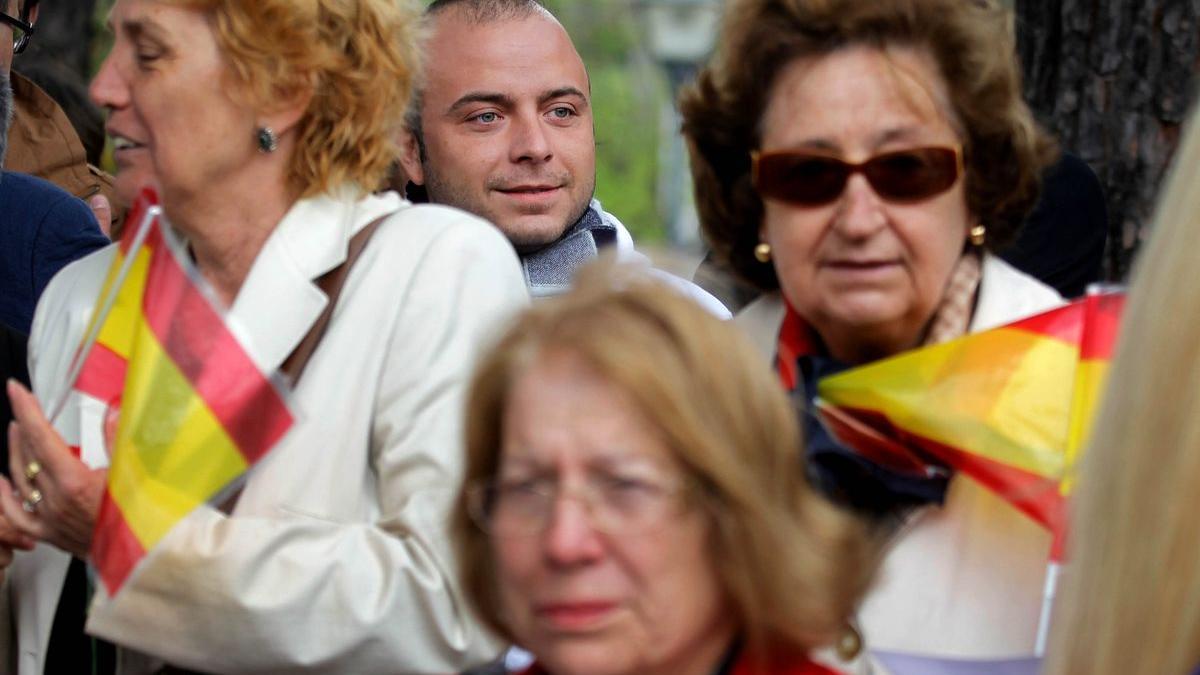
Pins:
x,y
1007,294
280,300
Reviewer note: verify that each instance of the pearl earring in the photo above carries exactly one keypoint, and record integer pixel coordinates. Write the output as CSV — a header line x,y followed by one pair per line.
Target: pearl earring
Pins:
x,y
762,253
978,235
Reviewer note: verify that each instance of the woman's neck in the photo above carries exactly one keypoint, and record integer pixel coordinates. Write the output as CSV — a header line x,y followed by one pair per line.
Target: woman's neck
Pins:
x,y
857,346
225,232
705,656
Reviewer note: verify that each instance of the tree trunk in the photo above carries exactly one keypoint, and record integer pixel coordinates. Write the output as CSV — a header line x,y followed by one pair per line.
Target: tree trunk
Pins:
x,y
62,39
1113,79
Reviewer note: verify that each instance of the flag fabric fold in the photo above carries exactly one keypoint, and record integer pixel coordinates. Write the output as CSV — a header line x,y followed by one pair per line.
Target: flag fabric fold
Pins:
x,y
193,411
1010,407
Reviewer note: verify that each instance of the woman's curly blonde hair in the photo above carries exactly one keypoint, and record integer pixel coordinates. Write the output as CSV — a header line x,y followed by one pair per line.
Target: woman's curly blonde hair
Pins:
x,y
359,58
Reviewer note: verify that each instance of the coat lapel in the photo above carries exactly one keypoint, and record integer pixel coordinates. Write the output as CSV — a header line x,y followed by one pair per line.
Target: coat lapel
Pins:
x,y
280,300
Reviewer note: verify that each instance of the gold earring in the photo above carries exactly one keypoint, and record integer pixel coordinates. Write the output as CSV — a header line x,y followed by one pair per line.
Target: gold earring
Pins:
x,y
978,235
762,253
849,644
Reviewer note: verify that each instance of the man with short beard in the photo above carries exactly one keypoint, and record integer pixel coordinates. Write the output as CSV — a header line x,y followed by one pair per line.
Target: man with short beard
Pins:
x,y
42,228
502,127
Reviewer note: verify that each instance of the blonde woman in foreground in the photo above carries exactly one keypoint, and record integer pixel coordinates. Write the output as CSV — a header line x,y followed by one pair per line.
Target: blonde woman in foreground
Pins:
x,y
1131,602
633,502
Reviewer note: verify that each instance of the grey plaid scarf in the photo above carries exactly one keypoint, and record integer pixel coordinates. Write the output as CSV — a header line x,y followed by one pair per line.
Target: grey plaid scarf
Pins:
x,y
549,271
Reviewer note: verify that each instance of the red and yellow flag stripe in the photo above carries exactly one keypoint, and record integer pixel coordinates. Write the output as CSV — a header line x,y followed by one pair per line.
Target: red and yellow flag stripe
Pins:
x,y
1009,407
195,411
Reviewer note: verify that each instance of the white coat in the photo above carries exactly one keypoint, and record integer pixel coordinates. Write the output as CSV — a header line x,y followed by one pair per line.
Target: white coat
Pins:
x,y
336,557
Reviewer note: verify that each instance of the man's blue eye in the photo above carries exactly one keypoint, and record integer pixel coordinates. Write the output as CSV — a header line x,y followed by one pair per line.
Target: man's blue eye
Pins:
x,y
487,117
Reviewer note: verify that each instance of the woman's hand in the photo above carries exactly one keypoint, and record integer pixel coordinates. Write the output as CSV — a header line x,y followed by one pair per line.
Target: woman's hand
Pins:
x,y
54,497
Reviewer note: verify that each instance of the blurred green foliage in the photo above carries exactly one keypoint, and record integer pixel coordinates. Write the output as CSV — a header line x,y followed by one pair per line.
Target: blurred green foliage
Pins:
x,y
102,41
628,93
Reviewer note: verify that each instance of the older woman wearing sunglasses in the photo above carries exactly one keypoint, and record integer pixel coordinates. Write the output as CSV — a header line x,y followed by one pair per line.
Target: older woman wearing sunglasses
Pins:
x,y
859,160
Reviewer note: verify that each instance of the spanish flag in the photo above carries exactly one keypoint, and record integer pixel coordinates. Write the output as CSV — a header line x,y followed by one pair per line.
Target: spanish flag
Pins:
x,y
192,411
1010,407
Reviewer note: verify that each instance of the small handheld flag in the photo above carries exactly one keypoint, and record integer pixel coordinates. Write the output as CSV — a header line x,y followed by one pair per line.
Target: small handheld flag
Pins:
x,y
1008,407
195,412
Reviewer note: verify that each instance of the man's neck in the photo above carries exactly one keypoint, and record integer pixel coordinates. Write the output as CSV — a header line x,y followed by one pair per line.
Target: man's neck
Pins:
x,y
590,219
550,270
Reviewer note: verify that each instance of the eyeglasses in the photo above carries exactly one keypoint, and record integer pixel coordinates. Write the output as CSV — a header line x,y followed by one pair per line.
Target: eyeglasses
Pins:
x,y
615,505
814,179
22,31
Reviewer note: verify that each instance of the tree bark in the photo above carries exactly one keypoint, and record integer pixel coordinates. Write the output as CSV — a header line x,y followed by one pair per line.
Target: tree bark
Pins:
x,y
1113,79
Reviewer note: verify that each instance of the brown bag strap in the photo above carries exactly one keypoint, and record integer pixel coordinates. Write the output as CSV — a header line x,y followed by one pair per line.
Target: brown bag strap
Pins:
x,y
331,284
293,366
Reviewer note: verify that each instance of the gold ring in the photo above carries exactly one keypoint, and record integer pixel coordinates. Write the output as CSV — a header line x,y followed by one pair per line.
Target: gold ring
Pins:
x,y
30,503
32,470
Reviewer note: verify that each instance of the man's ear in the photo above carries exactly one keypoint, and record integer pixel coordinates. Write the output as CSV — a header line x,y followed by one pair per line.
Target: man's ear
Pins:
x,y
33,15
410,157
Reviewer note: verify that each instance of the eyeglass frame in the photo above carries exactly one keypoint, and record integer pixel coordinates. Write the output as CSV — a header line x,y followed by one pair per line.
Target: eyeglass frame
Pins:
x,y
678,497
857,168
27,29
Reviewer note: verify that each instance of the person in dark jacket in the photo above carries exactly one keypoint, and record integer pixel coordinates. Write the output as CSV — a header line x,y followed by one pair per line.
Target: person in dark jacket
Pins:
x,y
1062,241
42,228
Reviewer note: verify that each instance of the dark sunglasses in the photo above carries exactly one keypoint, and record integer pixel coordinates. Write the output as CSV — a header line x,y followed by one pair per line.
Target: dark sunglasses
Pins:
x,y
813,179
22,31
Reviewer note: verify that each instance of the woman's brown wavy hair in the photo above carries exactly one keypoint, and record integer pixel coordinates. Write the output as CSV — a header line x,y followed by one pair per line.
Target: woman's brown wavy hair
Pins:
x,y
972,43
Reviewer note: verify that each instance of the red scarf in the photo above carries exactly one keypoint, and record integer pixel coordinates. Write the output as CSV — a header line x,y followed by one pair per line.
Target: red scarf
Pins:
x,y
795,340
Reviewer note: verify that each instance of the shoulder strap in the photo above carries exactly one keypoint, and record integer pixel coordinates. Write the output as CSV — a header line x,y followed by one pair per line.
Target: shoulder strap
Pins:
x,y
293,366
331,284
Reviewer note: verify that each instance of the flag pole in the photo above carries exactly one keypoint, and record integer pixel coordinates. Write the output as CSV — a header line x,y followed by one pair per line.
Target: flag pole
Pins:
x,y
1082,412
97,321
1043,633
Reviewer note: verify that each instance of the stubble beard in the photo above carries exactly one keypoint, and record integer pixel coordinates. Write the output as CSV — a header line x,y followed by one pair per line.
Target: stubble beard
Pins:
x,y
449,193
